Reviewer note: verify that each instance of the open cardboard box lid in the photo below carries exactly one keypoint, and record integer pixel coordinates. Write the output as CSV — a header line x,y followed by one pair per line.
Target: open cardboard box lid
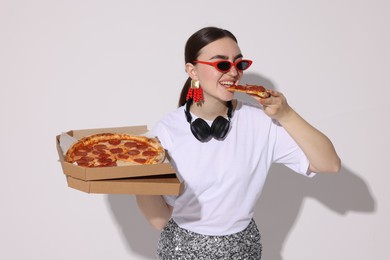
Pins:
x,y
105,173
163,185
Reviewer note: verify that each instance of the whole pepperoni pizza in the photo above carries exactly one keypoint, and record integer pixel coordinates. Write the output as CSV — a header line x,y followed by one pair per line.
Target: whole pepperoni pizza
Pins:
x,y
109,149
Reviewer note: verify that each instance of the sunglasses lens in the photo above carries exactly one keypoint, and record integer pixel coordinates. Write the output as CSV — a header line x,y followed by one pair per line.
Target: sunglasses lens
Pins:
x,y
224,65
243,65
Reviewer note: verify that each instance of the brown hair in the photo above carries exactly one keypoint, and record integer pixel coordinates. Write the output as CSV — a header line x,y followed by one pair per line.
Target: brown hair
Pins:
x,y
194,44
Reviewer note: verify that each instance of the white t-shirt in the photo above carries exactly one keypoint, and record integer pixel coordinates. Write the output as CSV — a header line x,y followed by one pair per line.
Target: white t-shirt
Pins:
x,y
224,179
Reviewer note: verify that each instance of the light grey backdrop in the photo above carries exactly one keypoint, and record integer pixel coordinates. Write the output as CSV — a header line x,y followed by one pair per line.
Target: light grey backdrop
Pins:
x,y
90,64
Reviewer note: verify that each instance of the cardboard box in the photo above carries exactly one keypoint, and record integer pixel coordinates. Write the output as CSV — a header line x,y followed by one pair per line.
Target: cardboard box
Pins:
x,y
163,185
155,179
105,173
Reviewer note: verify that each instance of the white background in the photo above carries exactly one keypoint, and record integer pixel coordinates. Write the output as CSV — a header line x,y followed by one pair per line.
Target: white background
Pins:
x,y
91,64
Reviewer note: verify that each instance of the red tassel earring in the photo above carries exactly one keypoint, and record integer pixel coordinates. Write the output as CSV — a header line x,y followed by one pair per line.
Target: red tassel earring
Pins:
x,y
195,92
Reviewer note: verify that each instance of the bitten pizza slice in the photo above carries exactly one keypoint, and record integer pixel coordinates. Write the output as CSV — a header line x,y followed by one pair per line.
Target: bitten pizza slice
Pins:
x,y
259,91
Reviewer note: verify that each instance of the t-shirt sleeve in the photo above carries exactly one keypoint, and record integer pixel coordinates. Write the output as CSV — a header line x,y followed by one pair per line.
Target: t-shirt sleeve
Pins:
x,y
170,199
287,152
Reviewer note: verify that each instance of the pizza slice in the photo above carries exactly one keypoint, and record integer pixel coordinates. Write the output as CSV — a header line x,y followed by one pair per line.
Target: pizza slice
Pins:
x,y
259,91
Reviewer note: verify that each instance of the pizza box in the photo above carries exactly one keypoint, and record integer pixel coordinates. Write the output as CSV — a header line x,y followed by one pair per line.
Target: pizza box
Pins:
x,y
162,185
105,173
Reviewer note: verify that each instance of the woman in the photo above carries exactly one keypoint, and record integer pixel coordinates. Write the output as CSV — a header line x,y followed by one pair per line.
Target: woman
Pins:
x,y
222,149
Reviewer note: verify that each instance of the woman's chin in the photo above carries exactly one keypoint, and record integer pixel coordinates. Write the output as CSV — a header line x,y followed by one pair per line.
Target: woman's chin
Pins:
x,y
227,96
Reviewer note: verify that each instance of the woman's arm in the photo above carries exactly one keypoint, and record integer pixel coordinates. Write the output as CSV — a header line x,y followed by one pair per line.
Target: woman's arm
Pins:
x,y
317,147
155,210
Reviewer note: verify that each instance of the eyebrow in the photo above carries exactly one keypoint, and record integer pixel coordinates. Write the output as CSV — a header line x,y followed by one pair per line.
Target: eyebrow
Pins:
x,y
223,57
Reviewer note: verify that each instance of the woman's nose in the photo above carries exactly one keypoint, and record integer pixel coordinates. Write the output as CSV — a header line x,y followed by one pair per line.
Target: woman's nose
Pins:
x,y
233,71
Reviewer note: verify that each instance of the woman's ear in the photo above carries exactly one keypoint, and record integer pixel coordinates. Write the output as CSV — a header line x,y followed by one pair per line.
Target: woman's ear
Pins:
x,y
191,71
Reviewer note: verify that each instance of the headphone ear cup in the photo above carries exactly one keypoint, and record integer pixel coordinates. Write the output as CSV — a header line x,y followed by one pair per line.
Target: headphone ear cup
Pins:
x,y
220,127
201,130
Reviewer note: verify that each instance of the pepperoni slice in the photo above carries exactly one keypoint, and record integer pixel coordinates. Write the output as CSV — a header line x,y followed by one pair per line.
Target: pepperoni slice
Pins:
x,y
81,161
100,146
80,153
131,144
142,146
116,150
86,158
84,161
140,160
86,148
133,152
104,155
149,153
98,152
114,141
105,160
123,156
83,164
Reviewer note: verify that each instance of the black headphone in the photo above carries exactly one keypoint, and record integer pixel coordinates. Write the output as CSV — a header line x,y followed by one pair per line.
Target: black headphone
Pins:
x,y
202,131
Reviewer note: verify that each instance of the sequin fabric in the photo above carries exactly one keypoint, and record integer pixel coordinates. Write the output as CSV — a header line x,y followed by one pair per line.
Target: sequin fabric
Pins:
x,y
179,244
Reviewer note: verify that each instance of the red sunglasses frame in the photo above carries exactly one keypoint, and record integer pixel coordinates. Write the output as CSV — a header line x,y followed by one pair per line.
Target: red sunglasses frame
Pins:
x,y
215,64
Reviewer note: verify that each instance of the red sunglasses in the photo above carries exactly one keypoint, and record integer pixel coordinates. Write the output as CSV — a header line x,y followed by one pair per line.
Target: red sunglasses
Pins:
x,y
225,65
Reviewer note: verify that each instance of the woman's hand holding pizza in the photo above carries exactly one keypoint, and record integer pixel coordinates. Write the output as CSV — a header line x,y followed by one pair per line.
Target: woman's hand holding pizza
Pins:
x,y
275,106
274,103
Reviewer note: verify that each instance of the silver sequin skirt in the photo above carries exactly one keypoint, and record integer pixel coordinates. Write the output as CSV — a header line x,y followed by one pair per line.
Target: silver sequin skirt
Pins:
x,y
178,243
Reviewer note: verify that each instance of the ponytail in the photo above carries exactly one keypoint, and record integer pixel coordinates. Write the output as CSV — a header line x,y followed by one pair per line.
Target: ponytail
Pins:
x,y
184,91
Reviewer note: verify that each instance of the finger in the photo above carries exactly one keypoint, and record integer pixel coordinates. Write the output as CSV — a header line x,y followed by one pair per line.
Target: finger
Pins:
x,y
273,93
266,101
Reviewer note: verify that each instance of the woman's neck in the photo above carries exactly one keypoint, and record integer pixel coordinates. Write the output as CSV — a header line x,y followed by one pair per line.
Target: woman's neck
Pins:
x,y
210,109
